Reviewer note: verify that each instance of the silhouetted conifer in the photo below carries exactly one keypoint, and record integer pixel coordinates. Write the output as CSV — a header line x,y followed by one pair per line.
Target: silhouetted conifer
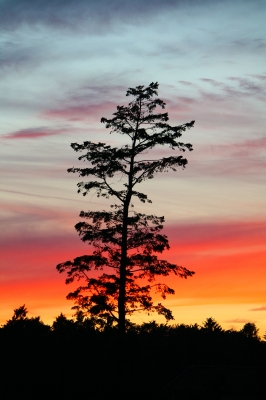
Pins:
x,y
210,326
125,241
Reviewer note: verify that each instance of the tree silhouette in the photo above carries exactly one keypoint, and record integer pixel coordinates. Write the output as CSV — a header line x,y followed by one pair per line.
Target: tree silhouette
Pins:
x,y
20,323
20,313
159,357
62,323
250,330
211,325
124,240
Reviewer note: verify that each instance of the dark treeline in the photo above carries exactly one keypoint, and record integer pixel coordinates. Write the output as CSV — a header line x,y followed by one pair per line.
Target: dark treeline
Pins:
x,y
83,357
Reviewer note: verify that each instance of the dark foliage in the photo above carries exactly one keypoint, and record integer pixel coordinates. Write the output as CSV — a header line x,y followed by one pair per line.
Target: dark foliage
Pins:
x,y
124,240
250,330
81,359
21,325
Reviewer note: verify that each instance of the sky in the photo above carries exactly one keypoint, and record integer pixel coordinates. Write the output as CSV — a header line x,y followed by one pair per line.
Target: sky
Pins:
x,y
63,66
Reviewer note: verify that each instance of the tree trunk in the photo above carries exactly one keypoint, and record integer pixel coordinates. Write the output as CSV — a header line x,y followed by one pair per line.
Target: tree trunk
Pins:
x,y
122,281
123,264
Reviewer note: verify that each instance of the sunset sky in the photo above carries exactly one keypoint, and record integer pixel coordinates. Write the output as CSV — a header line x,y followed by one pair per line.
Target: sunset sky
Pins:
x,y
63,66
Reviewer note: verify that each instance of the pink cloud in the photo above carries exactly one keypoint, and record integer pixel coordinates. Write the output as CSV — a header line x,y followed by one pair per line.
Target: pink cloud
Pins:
x,y
245,148
35,255
235,167
217,236
33,133
81,112
180,106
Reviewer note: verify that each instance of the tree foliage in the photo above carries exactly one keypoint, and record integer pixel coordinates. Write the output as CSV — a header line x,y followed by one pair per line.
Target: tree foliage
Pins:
x,y
21,324
250,330
210,325
72,359
125,241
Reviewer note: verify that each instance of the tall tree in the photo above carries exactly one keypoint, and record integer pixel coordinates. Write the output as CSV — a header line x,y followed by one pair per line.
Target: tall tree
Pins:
x,y
124,240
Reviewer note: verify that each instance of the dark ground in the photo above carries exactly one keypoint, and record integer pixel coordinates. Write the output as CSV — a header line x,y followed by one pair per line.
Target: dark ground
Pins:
x,y
181,364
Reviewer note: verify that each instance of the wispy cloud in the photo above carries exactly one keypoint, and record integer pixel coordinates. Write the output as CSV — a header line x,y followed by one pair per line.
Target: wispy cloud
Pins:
x,y
225,99
42,196
14,56
247,85
233,87
239,320
186,83
211,81
243,148
89,16
34,133
87,101
258,43
261,77
80,112
262,308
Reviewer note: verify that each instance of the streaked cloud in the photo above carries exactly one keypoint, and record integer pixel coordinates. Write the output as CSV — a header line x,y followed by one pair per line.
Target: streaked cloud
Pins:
x,y
34,133
244,148
262,308
239,87
82,16
38,195
216,236
80,112
186,83
261,77
239,321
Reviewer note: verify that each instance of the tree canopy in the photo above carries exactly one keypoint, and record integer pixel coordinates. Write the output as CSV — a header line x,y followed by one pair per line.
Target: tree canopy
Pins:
x,y
125,241
74,358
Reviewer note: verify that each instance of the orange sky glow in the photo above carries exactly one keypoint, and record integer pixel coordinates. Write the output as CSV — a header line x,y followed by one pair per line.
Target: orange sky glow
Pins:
x,y
229,280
